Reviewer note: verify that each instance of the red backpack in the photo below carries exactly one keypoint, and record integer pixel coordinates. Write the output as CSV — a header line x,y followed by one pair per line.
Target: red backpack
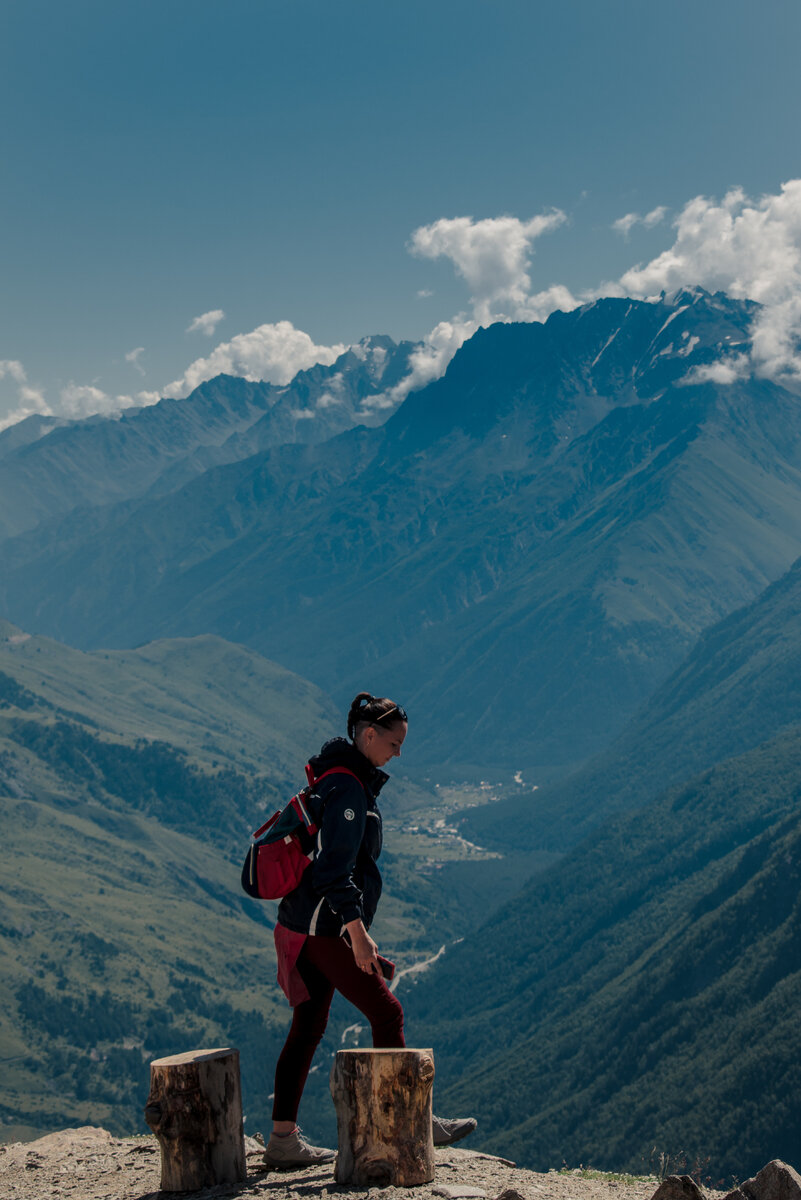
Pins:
x,y
282,849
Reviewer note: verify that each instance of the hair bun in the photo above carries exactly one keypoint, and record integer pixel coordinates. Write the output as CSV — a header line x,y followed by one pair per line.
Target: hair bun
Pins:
x,y
368,709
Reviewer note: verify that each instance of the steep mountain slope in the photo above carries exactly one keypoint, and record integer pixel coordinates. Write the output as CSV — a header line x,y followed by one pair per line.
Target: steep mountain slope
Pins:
x,y
522,552
13,437
99,461
740,685
49,467
643,993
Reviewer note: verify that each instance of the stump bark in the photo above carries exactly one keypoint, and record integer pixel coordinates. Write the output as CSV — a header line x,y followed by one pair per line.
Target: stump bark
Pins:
x,y
383,1105
195,1110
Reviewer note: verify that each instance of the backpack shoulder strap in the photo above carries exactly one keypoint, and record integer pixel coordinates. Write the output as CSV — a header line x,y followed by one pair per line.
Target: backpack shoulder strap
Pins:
x,y
331,771
299,802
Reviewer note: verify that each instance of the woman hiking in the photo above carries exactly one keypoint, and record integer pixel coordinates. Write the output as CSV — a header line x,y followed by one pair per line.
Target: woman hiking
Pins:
x,y
322,939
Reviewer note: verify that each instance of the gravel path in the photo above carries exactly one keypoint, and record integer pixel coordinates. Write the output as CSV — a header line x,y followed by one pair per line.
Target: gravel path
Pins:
x,y
89,1164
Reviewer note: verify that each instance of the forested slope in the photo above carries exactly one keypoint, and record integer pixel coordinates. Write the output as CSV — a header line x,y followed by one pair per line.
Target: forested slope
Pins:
x,y
644,992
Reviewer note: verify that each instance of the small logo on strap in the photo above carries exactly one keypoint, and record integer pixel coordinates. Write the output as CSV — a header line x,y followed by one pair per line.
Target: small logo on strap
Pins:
x,y
349,814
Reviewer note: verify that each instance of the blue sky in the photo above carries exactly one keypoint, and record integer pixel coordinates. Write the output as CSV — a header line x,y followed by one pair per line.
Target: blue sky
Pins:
x,y
272,162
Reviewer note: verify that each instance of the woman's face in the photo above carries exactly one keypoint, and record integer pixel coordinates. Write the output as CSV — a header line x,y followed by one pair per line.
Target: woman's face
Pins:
x,y
379,745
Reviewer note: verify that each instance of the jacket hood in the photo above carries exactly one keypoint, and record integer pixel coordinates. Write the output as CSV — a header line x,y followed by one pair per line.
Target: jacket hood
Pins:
x,y
339,752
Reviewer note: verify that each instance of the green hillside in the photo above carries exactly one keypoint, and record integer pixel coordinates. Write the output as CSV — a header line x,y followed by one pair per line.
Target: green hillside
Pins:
x,y
644,992
217,701
128,785
124,818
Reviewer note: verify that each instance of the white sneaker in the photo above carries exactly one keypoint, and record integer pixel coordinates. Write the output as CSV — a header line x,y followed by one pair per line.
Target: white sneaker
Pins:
x,y
292,1151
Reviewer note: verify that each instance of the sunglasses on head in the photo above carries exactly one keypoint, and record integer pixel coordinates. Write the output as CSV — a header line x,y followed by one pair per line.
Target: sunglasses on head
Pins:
x,y
397,713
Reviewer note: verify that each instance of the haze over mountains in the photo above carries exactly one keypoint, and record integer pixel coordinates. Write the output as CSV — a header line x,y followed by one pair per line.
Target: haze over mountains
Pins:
x,y
556,519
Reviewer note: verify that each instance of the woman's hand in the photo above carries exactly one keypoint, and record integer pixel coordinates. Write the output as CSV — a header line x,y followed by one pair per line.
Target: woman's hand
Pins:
x,y
364,948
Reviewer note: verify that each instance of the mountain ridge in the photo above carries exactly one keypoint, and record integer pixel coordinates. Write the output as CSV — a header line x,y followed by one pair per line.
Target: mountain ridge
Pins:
x,y
52,465
527,499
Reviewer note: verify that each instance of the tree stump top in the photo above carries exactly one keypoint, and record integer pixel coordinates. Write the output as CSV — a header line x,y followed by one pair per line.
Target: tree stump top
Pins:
x,y
193,1056
370,1052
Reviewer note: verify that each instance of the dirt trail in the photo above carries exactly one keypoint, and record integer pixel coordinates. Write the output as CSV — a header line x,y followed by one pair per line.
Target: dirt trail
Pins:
x,y
89,1164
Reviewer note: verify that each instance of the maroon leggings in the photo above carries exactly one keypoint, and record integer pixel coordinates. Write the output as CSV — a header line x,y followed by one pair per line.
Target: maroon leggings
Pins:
x,y
327,964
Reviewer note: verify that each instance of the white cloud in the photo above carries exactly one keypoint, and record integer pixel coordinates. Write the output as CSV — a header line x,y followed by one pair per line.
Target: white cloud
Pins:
x,y
750,249
133,358
86,400
29,401
35,398
428,361
725,371
654,217
335,392
425,294
12,368
271,352
81,400
624,225
328,400
207,322
492,256
540,306
747,248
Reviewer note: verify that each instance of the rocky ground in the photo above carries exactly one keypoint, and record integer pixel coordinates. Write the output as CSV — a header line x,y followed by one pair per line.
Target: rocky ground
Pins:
x,y
90,1164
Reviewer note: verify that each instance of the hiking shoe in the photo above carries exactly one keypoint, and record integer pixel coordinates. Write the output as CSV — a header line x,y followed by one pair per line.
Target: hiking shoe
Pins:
x,y
447,1132
292,1151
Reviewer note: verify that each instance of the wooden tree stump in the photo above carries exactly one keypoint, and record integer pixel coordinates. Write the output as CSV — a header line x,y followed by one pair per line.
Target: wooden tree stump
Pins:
x,y
195,1110
383,1105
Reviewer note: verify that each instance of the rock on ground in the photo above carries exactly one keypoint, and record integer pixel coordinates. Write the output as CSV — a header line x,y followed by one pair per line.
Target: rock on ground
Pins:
x,y
776,1181
678,1187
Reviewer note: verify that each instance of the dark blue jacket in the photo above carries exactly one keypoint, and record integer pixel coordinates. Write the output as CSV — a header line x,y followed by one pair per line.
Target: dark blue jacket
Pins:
x,y
343,881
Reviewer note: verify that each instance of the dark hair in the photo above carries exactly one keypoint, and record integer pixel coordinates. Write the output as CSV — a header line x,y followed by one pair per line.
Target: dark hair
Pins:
x,y
369,710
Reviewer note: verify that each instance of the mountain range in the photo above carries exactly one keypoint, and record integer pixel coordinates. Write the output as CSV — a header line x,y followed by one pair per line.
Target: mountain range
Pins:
x,y
523,551
52,466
